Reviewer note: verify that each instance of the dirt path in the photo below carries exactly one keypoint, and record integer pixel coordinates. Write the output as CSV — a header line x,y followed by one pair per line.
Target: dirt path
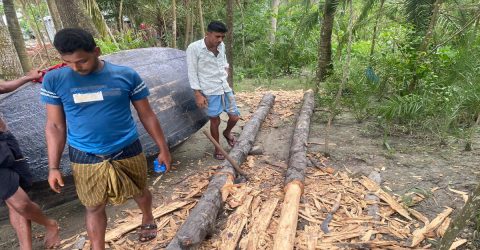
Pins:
x,y
413,164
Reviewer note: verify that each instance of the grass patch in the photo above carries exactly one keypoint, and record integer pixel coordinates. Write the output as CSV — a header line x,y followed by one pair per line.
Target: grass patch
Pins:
x,y
286,83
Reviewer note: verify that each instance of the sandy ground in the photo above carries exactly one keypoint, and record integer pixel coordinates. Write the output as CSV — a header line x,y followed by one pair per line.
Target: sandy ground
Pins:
x,y
413,163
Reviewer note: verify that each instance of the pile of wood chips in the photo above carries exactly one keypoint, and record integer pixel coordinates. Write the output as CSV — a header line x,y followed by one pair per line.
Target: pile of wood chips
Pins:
x,y
256,208
286,102
253,209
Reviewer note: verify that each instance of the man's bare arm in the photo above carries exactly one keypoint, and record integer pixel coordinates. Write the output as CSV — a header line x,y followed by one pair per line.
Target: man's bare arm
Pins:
x,y
12,85
152,125
55,133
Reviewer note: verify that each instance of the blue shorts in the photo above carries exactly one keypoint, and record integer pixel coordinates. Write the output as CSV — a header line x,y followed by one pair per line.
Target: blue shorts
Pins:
x,y
219,103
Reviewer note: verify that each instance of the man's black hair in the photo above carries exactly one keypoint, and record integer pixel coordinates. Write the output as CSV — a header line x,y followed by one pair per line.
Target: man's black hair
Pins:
x,y
69,40
217,26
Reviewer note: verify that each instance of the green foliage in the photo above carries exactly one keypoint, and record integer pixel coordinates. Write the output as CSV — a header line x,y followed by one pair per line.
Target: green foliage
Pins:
x,y
126,40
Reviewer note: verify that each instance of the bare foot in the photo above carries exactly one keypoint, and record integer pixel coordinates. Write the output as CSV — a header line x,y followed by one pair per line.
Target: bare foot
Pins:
x,y
52,237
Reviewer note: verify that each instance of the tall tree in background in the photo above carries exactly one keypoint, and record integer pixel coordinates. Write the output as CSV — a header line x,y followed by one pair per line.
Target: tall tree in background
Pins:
x,y
174,24
422,49
188,23
98,20
273,20
325,66
200,17
229,45
74,15
52,8
16,34
10,67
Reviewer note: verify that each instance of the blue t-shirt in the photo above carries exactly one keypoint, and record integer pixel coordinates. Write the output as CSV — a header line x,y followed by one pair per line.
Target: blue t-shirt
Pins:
x,y
96,106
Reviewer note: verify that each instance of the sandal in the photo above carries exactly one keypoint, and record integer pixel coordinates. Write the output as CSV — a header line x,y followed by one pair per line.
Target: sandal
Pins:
x,y
148,232
230,139
219,156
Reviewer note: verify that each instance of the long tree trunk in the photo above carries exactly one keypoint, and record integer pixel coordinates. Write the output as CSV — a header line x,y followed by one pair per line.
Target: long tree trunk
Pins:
x,y
74,15
273,20
174,24
188,23
120,17
425,42
57,21
10,66
229,44
16,34
200,17
325,65
375,29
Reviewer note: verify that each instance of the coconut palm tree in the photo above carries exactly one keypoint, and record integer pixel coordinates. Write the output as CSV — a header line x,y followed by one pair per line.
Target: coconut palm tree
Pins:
x,y
16,34
74,15
10,67
325,66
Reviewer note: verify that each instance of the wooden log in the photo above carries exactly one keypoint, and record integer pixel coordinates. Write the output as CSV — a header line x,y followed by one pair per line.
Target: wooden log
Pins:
x,y
157,212
202,218
235,224
261,223
287,225
295,176
298,150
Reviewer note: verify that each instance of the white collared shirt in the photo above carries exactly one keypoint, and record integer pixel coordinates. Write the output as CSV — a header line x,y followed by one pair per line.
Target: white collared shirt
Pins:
x,y
207,72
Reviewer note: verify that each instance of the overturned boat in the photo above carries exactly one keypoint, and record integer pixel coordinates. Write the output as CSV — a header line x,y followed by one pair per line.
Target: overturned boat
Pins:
x,y
165,72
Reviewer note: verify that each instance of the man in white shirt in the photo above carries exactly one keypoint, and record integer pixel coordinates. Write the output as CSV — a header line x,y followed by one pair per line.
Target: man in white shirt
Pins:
x,y
207,73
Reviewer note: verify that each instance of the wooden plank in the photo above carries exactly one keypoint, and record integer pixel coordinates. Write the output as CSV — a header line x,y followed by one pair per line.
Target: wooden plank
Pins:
x,y
373,187
117,232
419,234
261,222
235,224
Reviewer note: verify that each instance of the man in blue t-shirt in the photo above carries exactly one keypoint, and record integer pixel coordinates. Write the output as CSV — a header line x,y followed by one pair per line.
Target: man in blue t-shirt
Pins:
x,y
88,104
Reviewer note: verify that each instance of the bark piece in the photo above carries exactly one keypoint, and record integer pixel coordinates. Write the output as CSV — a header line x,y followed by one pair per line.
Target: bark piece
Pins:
x,y
419,234
202,218
157,212
261,222
236,222
373,187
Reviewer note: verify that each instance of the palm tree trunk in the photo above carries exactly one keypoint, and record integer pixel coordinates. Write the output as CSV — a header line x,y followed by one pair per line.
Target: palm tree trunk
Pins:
x,y
10,66
325,66
16,34
52,7
188,23
425,42
375,28
98,20
200,16
174,24
273,20
74,15
229,45
120,17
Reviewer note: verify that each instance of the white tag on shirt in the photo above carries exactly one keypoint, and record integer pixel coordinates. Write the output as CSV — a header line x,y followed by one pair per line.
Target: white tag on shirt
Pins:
x,y
88,97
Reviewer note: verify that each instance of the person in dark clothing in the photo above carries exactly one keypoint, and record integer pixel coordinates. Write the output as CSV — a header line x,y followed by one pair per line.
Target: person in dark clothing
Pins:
x,y
16,179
